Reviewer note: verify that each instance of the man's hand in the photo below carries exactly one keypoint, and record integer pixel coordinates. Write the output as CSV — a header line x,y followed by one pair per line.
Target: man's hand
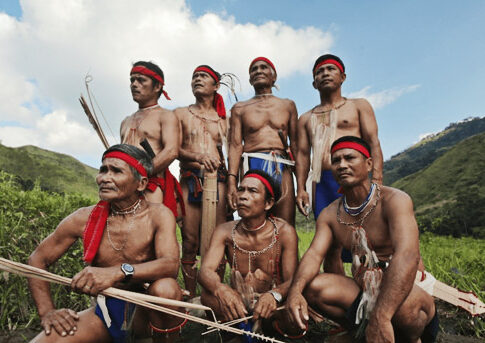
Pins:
x,y
379,331
210,163
297,308
265,306
231,303
92,280
232,196
62,320
303,201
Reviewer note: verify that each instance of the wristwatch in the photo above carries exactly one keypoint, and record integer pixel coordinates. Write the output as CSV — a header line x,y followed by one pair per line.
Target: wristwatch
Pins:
x,y
128,270
277,296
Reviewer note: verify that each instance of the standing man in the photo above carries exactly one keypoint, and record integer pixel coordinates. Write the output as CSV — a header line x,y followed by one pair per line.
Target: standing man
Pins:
x,y
333,118
381,301
263,253
160,127
128,241
203,129
264,123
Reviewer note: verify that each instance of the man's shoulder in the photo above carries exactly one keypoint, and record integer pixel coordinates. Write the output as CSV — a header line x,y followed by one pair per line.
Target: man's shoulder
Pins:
x,y
181,112
158,210
77,220
306,116
284,228
394,196
359,103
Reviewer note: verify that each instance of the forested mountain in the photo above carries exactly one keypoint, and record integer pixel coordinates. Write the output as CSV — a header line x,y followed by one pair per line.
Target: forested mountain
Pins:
x,y
426,151
55,172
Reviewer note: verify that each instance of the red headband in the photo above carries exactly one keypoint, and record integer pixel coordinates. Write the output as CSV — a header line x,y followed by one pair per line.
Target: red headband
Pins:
x,y
264,181
208,71
264,59
150,73
218,100
128,159
351,145
329,61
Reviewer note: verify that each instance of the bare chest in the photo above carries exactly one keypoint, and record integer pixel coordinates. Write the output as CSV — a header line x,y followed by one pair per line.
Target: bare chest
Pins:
x,y
273,115
140,126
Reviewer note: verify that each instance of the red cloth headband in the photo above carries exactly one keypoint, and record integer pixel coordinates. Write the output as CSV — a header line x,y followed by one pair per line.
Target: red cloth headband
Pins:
x,y
218,100
264,181
128,159
208,71
264,59
150,73
351,145
329,61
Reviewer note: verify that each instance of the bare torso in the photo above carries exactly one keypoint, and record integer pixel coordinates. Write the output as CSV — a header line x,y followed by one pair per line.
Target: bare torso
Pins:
x,y
201,133
261,118
264,267
348,122
144,123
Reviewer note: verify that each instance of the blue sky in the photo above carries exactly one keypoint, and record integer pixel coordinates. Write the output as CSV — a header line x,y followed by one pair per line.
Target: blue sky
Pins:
x,y
420,62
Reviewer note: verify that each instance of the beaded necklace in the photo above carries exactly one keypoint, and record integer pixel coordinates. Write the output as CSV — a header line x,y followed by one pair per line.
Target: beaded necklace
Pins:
x,y
354,211
252,253
129,210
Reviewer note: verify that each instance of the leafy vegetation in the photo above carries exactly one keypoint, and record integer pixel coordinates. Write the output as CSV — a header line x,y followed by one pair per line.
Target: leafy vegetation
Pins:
x,y
55,172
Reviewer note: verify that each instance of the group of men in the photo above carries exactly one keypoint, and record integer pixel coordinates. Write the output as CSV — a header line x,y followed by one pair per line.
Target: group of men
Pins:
x,y
129,236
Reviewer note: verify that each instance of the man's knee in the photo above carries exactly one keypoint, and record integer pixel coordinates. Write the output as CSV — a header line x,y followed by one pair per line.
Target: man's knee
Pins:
x,y
414,313
166,288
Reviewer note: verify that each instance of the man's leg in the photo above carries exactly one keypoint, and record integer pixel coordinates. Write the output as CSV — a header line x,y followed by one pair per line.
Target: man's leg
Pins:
x,y
332,295
90,328
190,240
413,315
285,208
160,326
221,217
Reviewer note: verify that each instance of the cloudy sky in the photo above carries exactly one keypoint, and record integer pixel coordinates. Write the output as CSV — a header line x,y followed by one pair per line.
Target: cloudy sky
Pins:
x,y
419,63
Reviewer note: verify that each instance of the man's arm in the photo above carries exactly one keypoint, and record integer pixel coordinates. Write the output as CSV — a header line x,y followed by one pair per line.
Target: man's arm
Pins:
x,y
230,301
234,157
47,253
302,164
169,132
293,129
368,127
399,277
309,267
267,304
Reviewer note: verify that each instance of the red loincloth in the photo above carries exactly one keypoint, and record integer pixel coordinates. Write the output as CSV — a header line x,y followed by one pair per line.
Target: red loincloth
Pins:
x,y
171,190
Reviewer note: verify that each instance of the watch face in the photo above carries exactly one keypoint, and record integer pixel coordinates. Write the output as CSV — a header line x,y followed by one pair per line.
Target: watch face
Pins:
x,y
128,268
277,296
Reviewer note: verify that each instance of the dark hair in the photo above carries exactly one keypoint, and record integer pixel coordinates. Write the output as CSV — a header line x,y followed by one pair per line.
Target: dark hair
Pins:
x,y
137,153
326,57
271,181
153,67
352,139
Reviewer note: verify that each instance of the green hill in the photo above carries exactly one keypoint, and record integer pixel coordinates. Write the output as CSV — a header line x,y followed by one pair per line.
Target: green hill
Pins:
x,y
426,151
55,172
449,194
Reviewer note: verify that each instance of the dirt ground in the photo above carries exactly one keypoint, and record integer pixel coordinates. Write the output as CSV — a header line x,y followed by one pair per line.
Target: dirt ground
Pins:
x,y
455,327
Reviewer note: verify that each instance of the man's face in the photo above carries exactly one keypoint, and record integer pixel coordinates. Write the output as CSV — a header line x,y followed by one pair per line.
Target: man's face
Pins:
x,y
203,84
350,167
261,74
251,198
116,180
328,77
143,88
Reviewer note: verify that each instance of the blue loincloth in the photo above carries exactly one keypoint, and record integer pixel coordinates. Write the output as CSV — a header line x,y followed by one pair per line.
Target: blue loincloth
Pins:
x,y
272,168
121,314
326,192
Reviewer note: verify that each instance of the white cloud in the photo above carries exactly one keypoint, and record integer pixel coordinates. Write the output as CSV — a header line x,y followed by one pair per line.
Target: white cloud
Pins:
x,y
383,98
45,55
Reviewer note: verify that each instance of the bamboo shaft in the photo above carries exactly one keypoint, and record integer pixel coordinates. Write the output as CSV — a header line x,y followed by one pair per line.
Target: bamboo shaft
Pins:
x,y
209,207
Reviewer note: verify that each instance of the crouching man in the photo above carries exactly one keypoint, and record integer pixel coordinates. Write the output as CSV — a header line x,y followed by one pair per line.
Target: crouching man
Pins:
x,y
127,242
377,225
262,251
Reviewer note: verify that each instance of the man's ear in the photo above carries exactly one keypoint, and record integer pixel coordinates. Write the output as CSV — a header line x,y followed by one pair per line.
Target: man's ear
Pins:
x,y
314,84
344,76
142,184
369,164
157,86
269,204
218,85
